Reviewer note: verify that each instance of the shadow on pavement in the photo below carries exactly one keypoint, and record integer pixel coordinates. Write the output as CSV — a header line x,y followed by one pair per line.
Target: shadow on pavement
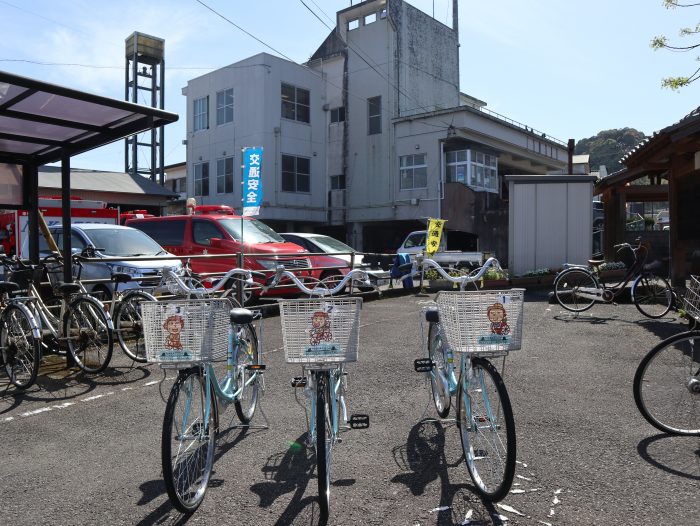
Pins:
x,y
423,461
657,450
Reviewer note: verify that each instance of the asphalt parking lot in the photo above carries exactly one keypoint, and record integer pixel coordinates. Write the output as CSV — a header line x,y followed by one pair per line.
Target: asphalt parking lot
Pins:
x,y
86,450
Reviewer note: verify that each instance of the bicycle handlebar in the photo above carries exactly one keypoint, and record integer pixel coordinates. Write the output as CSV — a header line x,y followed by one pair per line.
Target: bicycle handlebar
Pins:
x,y
354,274
421,262
169,274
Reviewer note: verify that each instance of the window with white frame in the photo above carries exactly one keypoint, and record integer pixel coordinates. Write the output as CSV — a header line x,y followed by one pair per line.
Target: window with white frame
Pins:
x,y
337,114
476,169
413,171
296,103
200,113
338,182
224,175
201,179
374,115
224,106
296,174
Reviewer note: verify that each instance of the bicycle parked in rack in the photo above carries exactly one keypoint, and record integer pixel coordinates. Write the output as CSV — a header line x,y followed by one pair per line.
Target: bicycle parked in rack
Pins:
x,y
577,288
190,336
667,382
479,326
82,324
321,334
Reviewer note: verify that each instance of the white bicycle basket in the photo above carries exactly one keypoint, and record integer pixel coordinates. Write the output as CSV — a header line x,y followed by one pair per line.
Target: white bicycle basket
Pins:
x,y
692,298
320,331
186,330
482,321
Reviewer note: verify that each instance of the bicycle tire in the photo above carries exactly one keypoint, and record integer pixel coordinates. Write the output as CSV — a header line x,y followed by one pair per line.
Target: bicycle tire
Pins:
x,y
438,375
187,467
21,349
247,354
652,295
567,284
667,385
490,462
324,441
89,334
128,325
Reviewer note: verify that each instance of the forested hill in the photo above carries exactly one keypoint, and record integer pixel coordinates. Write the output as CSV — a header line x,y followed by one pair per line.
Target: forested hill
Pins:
x,y
608,147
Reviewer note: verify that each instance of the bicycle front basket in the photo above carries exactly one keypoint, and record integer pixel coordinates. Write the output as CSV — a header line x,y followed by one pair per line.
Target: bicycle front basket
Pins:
x,y
185,330
692,298
482,321
320,331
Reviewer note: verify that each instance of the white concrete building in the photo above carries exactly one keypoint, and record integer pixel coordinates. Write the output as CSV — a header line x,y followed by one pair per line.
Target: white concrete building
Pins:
x,y
368,138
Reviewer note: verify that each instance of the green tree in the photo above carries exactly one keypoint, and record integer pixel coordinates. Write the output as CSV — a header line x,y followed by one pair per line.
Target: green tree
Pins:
x,y
608,146
662,42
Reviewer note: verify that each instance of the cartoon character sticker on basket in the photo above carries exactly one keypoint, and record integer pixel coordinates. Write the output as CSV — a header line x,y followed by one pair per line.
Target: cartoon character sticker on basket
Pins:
x,y
320,328
173,325
499,319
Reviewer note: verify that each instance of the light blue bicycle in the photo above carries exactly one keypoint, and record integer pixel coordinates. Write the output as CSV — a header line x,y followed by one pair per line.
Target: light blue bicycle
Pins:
x,y
191,335
477,325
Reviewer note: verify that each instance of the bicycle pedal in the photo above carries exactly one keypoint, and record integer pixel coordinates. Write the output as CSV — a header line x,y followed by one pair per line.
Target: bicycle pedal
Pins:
x,y
299,381
423,365
359,421
259,367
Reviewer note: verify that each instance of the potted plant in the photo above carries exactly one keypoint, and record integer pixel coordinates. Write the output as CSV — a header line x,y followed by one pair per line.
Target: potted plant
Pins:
x,y
494,279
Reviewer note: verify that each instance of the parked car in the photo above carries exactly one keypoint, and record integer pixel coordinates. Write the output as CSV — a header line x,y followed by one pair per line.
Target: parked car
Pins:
x,y
112,241
213,232
330,245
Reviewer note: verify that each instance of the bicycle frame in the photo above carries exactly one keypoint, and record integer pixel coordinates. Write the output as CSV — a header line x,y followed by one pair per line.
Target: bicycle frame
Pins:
x,y
335,379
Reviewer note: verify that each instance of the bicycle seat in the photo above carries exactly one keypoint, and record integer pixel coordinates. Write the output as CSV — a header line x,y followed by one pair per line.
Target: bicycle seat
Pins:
x,y
6,287
121,277
595,262
241,316
68,288
432,315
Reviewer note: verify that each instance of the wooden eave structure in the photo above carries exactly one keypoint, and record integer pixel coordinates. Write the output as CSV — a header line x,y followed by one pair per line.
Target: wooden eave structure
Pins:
x,y
672,154
42,123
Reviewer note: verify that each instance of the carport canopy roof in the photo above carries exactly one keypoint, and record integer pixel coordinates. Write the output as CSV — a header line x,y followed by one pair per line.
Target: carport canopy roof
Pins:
x,y
41,123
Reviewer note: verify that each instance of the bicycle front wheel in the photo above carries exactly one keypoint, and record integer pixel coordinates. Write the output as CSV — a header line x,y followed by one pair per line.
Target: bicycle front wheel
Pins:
x,y
247,354
667,385
487,429
88,334
324,441
568,287
652,295
438,375
21,350
189,437
128,325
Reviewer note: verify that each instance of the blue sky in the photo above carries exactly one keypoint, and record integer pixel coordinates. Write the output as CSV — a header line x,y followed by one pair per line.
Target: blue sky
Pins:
x,y
569,68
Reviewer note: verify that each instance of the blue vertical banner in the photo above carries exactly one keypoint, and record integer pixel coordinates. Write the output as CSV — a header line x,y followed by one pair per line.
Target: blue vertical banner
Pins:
x,y
252,181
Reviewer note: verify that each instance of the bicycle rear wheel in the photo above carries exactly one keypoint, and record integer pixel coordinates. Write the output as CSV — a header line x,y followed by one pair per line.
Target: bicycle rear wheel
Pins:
x,y
247,354
438,375
652,295
487,429
21,350
667,385
324,441
129,326
89,335
188,441
567,289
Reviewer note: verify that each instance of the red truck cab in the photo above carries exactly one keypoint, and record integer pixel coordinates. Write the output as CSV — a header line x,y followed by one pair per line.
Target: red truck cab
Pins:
x,y
211,232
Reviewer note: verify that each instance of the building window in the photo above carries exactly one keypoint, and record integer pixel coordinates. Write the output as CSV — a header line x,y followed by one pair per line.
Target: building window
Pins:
x,y
374,114
337,182
201,179
337,114
475,169
295,103
353,24
296,174
224,106
201,113
369,19
224,175
178,184
413,171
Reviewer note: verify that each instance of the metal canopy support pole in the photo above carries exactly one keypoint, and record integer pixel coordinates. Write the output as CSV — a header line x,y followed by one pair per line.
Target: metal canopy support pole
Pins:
x,y
31,172
65,219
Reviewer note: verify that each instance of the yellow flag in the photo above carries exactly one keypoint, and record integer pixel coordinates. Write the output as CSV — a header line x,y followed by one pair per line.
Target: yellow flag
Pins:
x,y
432,243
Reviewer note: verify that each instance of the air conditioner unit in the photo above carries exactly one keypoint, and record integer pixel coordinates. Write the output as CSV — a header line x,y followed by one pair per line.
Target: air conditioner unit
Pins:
x,y
414,201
